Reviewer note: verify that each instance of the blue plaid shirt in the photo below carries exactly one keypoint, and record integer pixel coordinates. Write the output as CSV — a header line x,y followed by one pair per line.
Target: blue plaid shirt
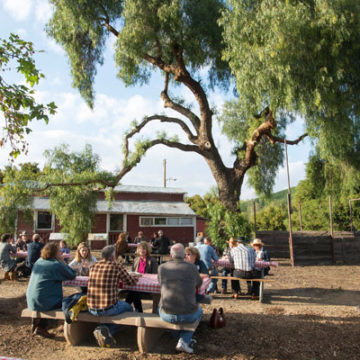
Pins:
x,y
243,257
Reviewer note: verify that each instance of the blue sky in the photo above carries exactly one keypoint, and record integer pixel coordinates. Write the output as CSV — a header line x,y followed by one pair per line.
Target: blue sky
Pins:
x,y
115,107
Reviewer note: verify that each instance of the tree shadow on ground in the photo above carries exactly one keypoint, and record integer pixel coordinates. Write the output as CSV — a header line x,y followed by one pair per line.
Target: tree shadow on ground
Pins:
x,y
312,295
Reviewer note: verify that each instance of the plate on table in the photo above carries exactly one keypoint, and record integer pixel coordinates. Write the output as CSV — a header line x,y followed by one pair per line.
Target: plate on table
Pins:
x,y
135,273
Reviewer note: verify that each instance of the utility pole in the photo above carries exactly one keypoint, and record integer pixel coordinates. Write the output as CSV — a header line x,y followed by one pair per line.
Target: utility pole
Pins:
x,y
164,164
291,248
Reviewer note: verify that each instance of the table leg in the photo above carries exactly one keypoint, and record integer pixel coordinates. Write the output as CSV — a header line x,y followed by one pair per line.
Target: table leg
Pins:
x,y
156,299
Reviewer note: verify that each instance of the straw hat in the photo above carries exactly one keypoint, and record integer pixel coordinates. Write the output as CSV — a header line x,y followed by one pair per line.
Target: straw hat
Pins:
x,y
257,242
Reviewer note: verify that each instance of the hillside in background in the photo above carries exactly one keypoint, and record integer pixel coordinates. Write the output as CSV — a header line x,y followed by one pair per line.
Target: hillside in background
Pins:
x,y
280,196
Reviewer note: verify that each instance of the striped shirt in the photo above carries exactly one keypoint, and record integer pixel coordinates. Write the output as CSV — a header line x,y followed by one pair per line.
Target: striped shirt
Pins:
x,y
243,257
103,285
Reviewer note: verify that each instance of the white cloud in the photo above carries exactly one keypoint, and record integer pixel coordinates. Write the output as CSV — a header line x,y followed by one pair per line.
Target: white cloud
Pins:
x,y
18,9
43,11
22,32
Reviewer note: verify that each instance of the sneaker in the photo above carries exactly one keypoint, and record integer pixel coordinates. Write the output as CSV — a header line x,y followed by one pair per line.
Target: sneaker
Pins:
x,y
192,342
183,346
103,337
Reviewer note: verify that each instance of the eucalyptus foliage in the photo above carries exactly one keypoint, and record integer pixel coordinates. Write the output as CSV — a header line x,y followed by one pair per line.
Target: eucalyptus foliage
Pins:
x,y
16,196
302,57
73,206
17,103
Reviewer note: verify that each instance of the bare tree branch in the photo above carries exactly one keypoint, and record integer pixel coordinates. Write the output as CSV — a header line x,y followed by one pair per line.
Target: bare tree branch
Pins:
x,y
181,123
274,139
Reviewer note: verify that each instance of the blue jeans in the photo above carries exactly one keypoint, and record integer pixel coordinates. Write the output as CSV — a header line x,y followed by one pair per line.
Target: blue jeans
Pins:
x,y
213,285
186,336
119,308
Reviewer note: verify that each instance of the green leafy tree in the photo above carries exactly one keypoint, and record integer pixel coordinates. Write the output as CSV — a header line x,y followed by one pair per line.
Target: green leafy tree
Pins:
x,y
224,223
298,58
16,195
177,38
74,206
17,103
272,217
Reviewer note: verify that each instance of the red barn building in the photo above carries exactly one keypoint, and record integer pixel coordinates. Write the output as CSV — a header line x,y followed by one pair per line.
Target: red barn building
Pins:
x,y
134,208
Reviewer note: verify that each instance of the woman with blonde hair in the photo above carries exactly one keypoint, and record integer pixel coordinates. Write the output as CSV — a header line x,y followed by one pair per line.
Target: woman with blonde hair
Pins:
x,y
83,260
143,264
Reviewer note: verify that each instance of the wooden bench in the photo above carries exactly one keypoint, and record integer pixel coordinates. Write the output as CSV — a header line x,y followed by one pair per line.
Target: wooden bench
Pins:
x,y
149,326
261,281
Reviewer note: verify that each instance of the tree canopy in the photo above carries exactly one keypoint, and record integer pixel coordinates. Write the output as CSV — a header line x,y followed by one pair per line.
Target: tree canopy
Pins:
x,y
17,103
286,58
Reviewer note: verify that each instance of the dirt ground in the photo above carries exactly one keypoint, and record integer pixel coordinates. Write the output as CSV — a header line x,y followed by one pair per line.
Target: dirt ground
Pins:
x,y
309,313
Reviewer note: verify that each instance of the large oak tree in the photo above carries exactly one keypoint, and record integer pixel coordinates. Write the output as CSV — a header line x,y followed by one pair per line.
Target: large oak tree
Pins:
x,y
286,58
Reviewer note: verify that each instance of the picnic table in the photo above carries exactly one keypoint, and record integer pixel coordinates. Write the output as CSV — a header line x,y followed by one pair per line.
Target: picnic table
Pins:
x,y
147,283
23,254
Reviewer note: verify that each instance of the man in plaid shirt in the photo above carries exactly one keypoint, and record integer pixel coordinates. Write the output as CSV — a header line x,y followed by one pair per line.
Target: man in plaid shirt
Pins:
x,y
102,295
243,258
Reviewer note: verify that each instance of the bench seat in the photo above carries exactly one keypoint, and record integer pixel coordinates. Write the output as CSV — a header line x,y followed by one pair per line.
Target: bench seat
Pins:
x,y
260,280
149,326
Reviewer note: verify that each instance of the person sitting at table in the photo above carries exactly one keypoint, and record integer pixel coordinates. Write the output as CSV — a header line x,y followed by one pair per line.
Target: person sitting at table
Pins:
x,y
143,264
154,238
44,291
140,238
178,282
208,255
22,241
243,258
83,260
226,255
64,250
9,265
121,246
261,254
34,251
102,295
192,255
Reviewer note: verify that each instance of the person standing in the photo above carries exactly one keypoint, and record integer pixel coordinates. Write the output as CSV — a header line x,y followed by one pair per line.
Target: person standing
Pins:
x,y
261,254
162,244
178,282
102,294
208,256
243,258
226,255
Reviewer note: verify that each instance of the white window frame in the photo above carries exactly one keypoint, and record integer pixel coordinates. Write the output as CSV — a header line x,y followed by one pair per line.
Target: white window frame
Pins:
x,y
166,217
108,223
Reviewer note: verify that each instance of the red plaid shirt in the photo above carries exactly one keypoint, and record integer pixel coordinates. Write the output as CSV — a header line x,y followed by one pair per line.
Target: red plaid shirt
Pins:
x,y
103,285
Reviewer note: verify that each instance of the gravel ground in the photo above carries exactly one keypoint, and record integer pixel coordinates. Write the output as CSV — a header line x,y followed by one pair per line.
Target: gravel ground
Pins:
x,y
309,313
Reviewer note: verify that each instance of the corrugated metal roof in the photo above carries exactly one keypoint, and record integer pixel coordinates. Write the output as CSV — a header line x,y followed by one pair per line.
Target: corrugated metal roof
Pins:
x,y
149,189
132,207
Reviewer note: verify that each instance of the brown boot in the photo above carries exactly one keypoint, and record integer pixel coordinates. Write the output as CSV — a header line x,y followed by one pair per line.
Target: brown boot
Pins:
x,y
13,276
7,276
